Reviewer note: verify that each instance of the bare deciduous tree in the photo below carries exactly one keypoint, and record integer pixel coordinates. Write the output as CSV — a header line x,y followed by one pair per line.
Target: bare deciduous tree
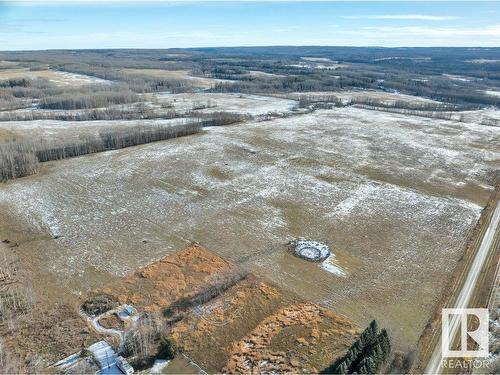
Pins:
x,y
21,158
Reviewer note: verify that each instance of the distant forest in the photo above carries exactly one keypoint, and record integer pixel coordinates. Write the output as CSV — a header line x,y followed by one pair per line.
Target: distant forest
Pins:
x,y
452,75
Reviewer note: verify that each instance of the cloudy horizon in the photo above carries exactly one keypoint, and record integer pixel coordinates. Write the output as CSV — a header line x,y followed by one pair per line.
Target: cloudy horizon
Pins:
x,y
35,25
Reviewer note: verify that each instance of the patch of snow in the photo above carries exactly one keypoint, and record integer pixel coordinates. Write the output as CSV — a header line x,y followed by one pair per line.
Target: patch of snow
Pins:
x,y
68,361
67,78
321,59
330,265
416,59
158,366
248,104
345,207
456,77
483,61
492,93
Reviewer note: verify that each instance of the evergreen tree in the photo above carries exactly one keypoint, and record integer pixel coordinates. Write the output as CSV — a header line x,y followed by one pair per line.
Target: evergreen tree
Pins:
x,y
167,349
366,366
377,355
342,369
366,355
366,337
374,327
372,367
385,343
363,370
356,347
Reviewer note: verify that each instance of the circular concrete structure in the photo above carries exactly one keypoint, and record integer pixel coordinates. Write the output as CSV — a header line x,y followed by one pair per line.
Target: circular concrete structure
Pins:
x,y
313,251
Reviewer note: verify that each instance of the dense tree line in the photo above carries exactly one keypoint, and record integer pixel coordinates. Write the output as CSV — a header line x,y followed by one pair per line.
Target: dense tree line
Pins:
x,y
17,159
132,113
22,158
44,94
23,82
440,87
100,99
435,114
374,68
307,100
9,103
139,83
406,104
220,118
440,110
116,139
366,355
36,88
388,70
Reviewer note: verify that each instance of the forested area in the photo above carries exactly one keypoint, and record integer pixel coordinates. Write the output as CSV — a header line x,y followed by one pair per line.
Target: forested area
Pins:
x,y
21,158
453,78
99,99
366,355
453,75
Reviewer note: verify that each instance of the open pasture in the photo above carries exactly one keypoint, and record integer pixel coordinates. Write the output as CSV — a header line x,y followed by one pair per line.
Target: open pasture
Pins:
x,y
346,95
384,191
180,75
55,130
245,104
58,77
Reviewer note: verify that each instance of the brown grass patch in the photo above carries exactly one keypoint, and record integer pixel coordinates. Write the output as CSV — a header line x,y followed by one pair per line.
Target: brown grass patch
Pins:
x,y
257,327
303,337
247,326
38,329
112,321
161,283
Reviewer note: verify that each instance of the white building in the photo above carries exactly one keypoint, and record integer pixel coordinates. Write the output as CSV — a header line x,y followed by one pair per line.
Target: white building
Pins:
x,y
108,361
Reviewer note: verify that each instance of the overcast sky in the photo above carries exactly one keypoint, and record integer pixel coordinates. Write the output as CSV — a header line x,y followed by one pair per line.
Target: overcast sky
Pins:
x,y
163,24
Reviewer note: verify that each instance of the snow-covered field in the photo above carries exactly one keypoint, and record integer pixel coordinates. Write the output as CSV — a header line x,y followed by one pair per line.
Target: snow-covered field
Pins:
x,y
161,103
66,78
490,116
238,103
386,97
55,130
456,77
180,75
484,61
393,196
492,93
56,76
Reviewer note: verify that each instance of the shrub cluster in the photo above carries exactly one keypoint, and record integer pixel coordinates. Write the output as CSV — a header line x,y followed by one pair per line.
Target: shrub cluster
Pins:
x,y
23,82
99,304
217,285
220,118
166,349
